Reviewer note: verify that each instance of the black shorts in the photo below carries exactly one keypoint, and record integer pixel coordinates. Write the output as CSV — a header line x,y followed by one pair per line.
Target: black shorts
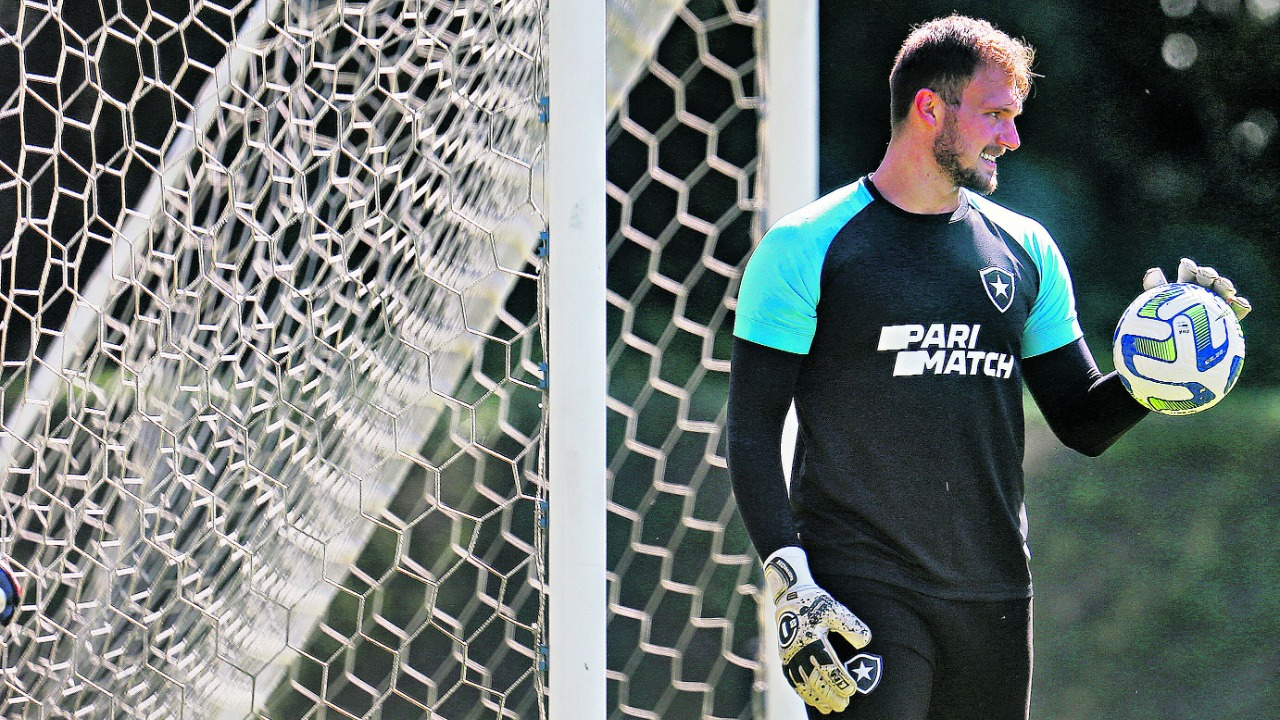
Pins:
x,y
943,659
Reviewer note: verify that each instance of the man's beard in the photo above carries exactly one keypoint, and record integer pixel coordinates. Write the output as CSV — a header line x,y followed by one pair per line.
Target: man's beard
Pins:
x,y
948,158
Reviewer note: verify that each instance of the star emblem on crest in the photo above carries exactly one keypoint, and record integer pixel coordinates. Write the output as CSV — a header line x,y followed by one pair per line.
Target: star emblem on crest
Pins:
x,y
1001,287
999,284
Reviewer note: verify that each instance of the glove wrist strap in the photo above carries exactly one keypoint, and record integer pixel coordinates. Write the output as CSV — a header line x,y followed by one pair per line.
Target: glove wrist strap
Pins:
x,y
785,569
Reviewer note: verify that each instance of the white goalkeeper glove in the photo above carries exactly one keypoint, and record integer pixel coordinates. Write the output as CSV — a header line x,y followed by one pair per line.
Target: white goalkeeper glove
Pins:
x,y
806,614
1190,272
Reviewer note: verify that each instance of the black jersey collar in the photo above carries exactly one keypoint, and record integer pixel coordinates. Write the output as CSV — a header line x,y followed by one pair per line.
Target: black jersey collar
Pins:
x,y
940,218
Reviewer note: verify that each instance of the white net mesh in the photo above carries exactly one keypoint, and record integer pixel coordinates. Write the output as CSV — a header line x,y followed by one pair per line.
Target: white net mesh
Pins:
x,y
683,161
221,496
272,357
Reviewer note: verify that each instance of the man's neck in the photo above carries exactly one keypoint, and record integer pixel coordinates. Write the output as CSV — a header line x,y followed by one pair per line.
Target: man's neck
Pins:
x,y
911,179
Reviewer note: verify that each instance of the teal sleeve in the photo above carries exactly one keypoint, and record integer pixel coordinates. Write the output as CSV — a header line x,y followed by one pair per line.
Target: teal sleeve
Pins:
x,y
1053,322
778,299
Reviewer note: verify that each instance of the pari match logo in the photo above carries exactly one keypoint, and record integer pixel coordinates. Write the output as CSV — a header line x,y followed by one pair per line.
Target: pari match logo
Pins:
x,y
942,349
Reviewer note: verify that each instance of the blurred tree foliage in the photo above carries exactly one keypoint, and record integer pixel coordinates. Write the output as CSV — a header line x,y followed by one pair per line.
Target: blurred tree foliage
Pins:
x,y
1157,584
1150,136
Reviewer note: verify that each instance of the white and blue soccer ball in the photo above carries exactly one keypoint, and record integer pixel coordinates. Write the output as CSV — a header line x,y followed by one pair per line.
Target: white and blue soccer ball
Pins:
x,y
1178,349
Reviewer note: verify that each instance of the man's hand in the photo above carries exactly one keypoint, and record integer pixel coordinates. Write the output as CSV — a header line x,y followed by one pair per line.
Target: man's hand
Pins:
x,y
806,614
1190,272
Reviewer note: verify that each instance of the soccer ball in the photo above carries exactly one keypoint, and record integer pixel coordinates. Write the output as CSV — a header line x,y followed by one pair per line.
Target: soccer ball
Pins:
x,y
1178,349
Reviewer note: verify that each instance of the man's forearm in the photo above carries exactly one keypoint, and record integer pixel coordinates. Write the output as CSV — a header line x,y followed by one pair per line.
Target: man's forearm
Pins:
x,y
761,384
1087,410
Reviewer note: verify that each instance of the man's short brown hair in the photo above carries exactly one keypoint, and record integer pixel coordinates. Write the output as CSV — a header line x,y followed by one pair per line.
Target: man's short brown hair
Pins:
x,y
944,54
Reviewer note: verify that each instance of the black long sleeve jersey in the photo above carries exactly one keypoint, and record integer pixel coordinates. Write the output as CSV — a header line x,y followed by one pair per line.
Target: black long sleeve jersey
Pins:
x,y
903,341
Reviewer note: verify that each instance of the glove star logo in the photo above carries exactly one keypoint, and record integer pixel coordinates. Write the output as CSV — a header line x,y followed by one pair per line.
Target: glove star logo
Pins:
x,y
999,285
865,669
942,350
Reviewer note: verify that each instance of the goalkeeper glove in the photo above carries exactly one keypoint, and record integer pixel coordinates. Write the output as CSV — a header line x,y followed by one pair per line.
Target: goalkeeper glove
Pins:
x,y
805,615
1190,272
10,594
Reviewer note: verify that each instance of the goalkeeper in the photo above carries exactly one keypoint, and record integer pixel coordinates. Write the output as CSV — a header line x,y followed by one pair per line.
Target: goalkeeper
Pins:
x,y
902,315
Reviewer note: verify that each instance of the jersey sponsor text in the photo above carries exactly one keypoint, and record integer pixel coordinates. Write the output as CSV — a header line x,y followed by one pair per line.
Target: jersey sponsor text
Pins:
x,y
941,349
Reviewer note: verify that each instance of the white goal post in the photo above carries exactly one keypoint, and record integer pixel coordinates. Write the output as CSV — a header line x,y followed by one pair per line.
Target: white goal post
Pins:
x,y
791,181
576,360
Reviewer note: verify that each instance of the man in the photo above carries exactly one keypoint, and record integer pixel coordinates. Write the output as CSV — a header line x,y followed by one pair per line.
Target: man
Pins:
x,y
902,314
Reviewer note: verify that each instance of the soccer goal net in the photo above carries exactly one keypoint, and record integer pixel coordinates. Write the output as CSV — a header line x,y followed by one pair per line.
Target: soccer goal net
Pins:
x,y
273,357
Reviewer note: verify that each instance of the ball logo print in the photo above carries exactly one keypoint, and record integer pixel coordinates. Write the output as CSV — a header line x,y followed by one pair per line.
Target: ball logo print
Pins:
x,y
1179,349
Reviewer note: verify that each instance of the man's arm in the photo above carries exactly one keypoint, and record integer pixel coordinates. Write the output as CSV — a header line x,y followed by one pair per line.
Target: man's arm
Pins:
x,y
1087,410
762,381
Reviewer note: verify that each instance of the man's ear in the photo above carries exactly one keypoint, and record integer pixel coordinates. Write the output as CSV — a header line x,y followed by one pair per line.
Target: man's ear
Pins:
x,y
928,107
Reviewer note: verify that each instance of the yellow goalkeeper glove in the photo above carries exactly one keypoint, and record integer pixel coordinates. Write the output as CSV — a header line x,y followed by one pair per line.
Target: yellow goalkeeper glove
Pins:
x,y
806,615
